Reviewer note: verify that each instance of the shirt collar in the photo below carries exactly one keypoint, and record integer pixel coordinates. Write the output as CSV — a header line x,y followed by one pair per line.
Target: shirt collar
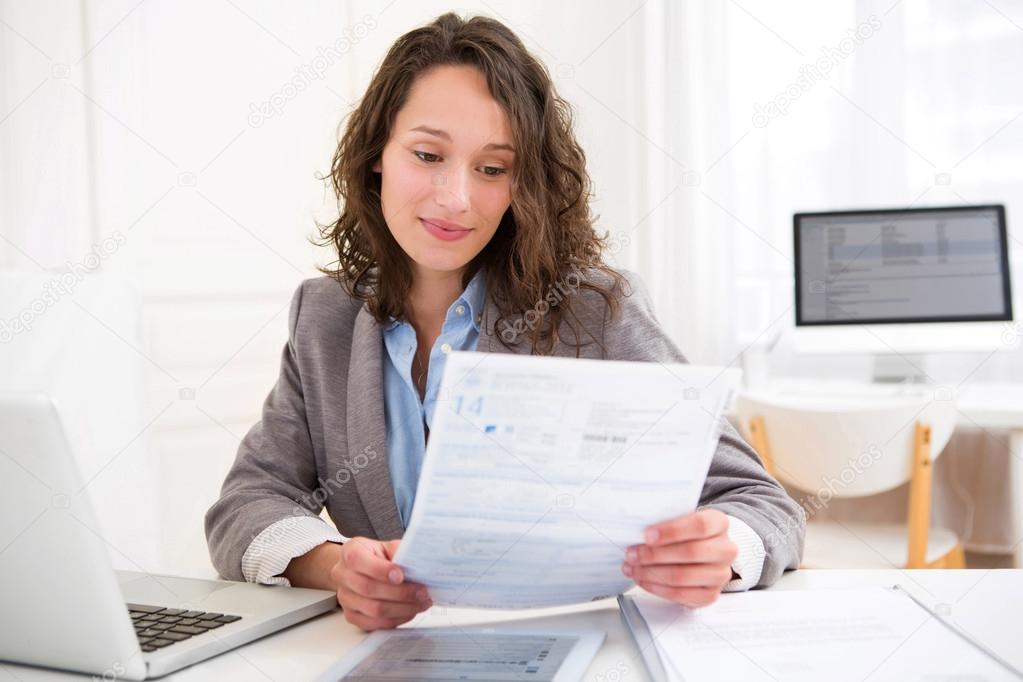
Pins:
x,y
474,296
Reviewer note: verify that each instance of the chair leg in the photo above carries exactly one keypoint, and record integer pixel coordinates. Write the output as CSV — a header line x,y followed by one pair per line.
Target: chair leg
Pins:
x,y
919,516
955,558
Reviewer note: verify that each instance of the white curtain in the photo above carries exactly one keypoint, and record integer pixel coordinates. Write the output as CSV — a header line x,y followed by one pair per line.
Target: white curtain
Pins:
x,y
683,246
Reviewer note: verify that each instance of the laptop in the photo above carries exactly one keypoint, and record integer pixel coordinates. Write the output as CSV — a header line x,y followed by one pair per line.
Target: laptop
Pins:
x,y
62,605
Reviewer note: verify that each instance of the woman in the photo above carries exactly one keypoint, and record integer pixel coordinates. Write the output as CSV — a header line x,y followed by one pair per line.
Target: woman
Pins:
x,y
465,206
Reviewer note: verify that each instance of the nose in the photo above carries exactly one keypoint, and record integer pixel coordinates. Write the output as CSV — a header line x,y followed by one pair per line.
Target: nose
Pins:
x,y
453,187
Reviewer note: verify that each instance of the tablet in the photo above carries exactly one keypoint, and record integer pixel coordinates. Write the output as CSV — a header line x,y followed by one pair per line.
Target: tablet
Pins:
x,y
469,654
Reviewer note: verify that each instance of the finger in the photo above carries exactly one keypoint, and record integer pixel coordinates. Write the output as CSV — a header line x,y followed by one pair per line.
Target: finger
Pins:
x,y
364,622
687,575
368,558
366,586
377,608
693,597
714,550
704,523
391,548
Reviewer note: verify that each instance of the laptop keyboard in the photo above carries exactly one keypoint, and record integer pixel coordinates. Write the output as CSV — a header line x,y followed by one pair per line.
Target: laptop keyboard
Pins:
x,y
157,627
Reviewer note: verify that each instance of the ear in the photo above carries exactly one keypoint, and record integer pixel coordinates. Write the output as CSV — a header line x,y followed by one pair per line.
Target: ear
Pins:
x,y
378,166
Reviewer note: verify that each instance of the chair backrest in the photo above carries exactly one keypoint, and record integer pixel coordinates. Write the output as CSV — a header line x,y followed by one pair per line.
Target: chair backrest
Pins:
x,y
846,447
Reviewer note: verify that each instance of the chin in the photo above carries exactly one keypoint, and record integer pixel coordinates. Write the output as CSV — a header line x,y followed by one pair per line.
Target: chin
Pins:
x,y
443,262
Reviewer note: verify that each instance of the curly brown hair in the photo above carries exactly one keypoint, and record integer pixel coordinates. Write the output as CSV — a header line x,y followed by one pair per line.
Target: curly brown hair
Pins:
x,y
547,233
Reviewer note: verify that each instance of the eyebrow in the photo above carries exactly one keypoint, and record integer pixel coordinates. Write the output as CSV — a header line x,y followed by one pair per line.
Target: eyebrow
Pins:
x,y
445,136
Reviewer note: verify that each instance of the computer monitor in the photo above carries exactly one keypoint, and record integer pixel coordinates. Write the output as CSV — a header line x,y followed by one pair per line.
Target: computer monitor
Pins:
x,y
902,281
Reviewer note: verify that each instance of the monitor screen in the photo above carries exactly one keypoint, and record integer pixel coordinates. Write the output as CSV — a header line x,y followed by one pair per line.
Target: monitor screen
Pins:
x,y
946,264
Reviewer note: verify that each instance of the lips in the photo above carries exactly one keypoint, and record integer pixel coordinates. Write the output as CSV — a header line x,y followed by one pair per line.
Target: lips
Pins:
x,y
446,224
444,230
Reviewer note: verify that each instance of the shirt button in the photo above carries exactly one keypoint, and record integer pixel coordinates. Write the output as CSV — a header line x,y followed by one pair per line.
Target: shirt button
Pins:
x,y
445,348
459,309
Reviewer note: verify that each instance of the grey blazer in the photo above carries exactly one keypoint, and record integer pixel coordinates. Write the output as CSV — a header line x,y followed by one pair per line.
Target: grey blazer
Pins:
x,y
321,438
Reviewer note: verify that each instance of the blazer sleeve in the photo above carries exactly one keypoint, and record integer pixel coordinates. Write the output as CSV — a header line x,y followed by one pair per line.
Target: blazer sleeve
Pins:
x,y
737,482
274,473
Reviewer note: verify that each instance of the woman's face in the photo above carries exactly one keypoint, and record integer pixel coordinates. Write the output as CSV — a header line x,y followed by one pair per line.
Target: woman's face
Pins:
x,y
447,164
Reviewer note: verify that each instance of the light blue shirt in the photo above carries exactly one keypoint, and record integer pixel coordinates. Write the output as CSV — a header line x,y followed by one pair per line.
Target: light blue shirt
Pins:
x,y
405,412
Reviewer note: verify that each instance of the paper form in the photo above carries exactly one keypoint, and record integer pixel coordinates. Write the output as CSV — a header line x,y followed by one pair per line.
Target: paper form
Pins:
x,y
873,634
539,472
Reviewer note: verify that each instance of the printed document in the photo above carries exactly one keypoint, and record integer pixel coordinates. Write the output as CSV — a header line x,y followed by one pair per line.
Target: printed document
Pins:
x,y
855,634
540,472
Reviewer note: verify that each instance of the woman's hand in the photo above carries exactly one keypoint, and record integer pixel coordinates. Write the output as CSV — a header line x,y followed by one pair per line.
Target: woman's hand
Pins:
x,y
372,589
687,560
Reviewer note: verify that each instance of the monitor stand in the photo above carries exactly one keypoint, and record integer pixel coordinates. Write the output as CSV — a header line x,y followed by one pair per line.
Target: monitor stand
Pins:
x,y
899,368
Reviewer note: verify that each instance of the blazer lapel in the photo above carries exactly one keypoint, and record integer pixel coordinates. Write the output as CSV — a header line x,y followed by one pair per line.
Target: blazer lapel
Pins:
x,y
367,430
514,332
490,342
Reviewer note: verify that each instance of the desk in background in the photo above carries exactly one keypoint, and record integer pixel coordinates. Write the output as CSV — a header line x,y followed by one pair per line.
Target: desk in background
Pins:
x,y
990,408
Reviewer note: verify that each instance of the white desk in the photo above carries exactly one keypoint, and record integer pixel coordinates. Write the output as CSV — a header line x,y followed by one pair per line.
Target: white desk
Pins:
x,y
993,406
986,603
989,407
981,405
999,407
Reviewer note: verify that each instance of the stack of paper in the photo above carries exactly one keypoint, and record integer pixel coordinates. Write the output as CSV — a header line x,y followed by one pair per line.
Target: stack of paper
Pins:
x,y
806,635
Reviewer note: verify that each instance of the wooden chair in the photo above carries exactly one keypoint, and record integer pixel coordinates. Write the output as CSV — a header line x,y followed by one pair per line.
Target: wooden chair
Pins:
x,y
852,448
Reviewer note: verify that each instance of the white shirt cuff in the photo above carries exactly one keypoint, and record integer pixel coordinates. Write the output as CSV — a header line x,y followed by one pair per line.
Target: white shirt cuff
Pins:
x,y
269,554
749,563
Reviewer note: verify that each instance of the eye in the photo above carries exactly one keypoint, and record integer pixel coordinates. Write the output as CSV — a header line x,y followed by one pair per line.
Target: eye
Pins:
x,y
422,156
489,171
